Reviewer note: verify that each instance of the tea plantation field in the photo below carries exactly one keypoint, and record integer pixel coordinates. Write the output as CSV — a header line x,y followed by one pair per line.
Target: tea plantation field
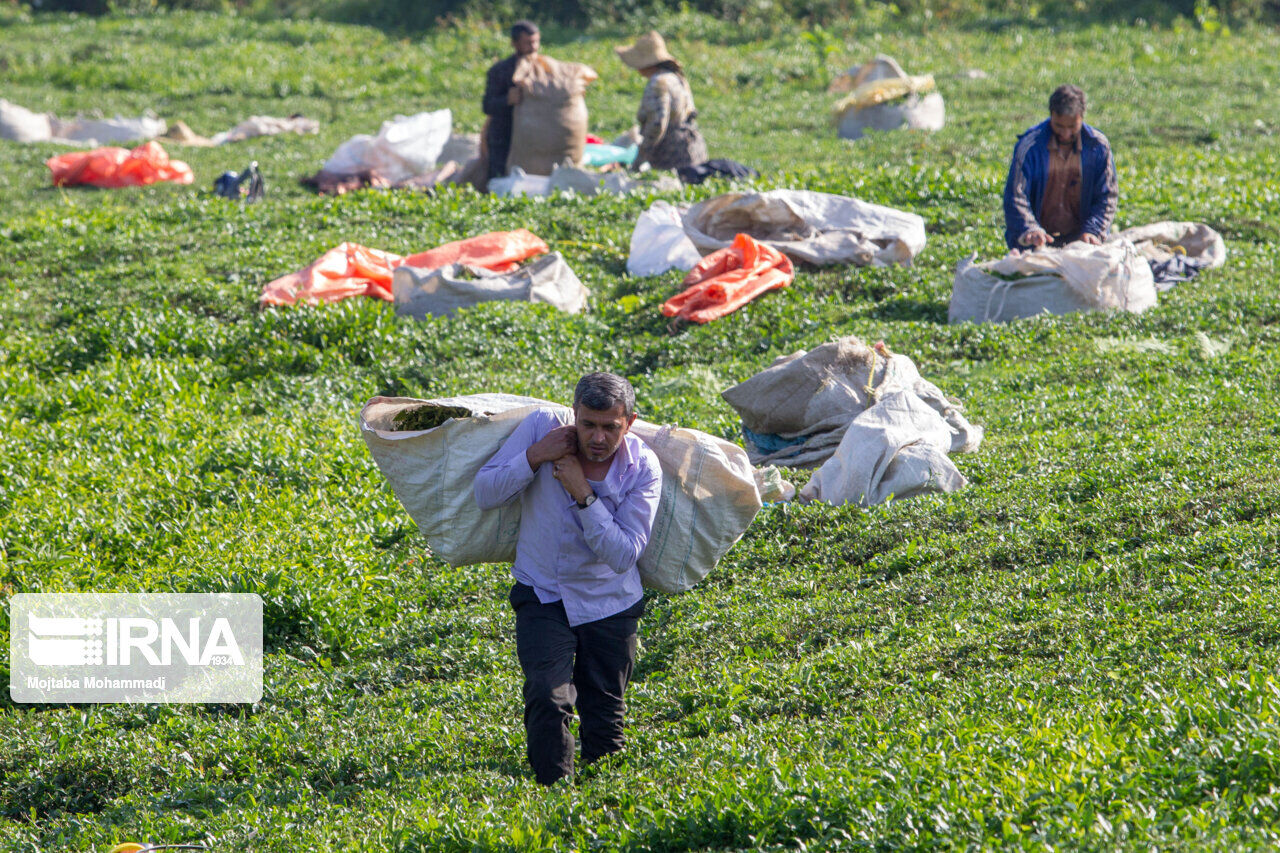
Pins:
x,y
1078,651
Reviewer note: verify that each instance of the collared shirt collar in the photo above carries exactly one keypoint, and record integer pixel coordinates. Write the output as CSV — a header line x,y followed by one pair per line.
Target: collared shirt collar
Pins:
x,y
1054,145
624,460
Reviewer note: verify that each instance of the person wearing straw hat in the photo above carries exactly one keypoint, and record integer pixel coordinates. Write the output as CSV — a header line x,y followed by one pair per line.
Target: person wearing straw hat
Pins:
x,y
669,136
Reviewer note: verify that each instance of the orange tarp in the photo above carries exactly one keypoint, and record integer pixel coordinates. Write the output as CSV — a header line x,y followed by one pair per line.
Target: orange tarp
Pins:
x,y
727,279
113,167
354,270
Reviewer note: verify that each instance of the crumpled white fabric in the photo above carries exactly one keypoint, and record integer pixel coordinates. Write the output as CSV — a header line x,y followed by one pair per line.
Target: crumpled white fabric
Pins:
x,y
266,126
897,448
659,244
22,125
404,148
817,228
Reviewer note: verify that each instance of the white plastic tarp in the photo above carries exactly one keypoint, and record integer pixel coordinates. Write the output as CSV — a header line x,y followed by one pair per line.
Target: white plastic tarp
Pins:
x,y
23,125
439,292
1077,277
583,182
818,228
403,148
709,490
659,244
266,126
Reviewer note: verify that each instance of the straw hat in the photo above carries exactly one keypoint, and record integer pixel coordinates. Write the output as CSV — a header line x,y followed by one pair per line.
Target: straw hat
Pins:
x,y
648,50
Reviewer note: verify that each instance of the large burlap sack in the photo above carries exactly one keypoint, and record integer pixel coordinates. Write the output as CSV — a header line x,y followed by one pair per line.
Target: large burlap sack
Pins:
x,y
805,401
549,125
440,292
1077,277
709,490
818,228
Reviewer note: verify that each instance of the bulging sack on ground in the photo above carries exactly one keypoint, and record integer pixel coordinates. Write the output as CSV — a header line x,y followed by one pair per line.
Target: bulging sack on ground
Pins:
x,y
403,148
727,279
440,292
804,402
111,168
709,492
659,244
884,97
1077,277
549,125
350,269
817,228
1176,251
897,449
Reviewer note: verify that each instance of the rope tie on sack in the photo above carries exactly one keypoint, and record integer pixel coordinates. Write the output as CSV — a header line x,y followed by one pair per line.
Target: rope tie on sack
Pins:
x,y
1004,287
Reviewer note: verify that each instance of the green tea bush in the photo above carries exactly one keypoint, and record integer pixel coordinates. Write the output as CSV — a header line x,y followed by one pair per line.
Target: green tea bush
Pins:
x,y
1077,651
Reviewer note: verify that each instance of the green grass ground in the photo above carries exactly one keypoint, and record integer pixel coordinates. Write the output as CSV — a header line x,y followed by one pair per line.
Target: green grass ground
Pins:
x,y
1078,651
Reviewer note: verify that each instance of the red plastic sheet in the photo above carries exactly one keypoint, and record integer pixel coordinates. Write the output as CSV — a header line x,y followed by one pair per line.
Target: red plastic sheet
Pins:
x,y
113,167
354,270
727,279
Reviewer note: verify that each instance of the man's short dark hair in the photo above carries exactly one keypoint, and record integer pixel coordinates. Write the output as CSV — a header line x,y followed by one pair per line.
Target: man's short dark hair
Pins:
x,y
1067,101
603,391
523,28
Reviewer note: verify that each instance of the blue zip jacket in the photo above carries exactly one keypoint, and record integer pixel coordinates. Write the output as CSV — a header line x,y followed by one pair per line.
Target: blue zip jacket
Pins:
x,y
1029,172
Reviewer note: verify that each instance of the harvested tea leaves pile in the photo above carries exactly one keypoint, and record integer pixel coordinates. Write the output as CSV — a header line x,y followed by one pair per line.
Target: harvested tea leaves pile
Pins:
x,y
428,416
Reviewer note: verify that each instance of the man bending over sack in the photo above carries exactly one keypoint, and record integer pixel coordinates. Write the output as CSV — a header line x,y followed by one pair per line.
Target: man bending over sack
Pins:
x,y
1062,181
501,96
588,497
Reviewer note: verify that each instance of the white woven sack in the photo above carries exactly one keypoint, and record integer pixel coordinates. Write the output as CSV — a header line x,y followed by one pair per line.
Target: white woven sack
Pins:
x,y
1078,277
440,292
709,492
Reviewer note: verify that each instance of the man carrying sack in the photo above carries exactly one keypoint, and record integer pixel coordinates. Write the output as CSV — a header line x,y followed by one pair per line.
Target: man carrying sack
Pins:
x,y
1062,181
588,497
501,95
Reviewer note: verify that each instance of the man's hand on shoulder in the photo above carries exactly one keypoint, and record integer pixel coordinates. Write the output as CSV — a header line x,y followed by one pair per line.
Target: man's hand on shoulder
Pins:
x,y
1091,239
568,470
559,442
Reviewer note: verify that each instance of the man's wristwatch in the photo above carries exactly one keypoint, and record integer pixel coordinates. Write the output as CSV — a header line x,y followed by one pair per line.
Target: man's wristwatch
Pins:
x,y
587,501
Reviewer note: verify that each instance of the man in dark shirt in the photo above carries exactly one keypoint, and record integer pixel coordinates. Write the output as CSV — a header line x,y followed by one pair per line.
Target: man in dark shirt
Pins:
x,y
500,96
1062,181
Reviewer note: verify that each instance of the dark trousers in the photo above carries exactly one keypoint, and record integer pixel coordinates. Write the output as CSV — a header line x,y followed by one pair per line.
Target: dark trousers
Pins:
x,y
587,667
499,145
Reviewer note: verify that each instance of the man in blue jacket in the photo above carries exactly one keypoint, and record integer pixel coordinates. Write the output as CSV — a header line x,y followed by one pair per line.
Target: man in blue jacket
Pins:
x,y
1062,181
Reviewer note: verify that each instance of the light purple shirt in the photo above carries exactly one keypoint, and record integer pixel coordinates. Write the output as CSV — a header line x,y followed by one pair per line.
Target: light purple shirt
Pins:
x,y
583,557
